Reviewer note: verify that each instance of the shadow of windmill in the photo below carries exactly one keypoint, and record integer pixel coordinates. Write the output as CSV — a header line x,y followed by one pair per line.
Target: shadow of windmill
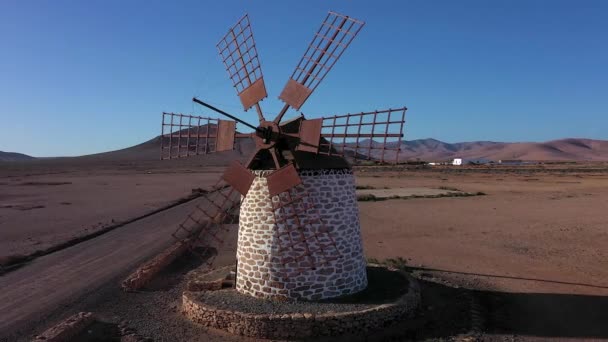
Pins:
x,y
548,315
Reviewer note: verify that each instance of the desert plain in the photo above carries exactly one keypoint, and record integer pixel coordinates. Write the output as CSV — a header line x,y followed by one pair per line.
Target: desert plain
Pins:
x,y
531,243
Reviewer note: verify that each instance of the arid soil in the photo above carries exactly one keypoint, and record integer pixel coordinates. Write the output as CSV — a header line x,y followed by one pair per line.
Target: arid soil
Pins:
x,y
535,246
533,249
543,225
46,203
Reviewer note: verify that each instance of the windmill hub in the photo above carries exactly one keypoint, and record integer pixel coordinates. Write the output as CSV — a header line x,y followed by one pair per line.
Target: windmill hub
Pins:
x,y
267,134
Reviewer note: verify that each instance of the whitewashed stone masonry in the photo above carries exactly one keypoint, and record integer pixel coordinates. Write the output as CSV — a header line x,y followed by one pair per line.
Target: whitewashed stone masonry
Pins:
x,y
260,270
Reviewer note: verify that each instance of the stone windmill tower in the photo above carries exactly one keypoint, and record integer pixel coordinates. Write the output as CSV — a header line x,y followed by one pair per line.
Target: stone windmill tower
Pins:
x,y
299,234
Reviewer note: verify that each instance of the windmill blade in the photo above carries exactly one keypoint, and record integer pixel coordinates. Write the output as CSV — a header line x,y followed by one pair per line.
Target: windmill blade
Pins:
x,y
211,220
240,57
300,231
239,177
283,180
333,37
226,131
310,135
373,136
189,135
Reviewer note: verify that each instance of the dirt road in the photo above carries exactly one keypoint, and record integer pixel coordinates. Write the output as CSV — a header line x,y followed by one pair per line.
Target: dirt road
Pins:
x,y
49,282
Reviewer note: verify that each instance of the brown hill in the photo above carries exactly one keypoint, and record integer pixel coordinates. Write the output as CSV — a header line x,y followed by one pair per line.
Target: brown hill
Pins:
x,y
150,151
13,156
556,150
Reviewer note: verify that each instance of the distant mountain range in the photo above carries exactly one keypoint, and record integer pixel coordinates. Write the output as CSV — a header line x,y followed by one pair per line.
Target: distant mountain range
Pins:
x,y
421,149
556,150
435,150
13,156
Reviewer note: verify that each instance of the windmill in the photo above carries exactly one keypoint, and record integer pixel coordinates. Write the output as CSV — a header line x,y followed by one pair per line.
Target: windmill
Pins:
x,y
299,235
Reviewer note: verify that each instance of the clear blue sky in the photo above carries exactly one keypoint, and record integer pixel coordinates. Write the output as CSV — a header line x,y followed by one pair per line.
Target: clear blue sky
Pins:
x,y
79,77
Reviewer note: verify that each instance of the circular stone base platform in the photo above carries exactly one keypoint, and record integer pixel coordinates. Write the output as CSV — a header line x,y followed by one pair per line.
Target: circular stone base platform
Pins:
x,y
391,295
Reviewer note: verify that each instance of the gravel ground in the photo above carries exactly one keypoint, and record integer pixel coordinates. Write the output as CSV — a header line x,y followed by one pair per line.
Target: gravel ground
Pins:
x,y
155,311
203,275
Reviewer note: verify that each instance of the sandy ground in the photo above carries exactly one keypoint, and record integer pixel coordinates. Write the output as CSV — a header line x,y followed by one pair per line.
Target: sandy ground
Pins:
x,y
43,209
536,243
551,227
534,248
